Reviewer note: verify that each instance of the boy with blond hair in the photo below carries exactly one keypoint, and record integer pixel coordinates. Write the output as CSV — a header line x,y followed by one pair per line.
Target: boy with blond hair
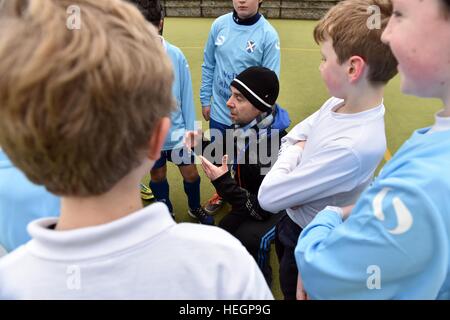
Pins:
x,y
395,242
85,113
330,157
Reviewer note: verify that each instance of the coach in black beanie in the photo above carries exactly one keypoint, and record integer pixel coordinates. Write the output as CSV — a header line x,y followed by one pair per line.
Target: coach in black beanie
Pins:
x,y
258,85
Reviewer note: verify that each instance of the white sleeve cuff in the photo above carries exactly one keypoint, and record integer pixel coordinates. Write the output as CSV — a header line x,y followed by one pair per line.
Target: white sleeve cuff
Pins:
x,y
295,154
338,210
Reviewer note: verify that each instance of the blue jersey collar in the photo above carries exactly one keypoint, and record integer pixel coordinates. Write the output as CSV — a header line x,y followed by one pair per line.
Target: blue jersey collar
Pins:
x,y
246,22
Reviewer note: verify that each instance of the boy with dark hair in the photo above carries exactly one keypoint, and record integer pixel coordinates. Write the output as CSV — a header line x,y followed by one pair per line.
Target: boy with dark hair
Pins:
x,y
182,120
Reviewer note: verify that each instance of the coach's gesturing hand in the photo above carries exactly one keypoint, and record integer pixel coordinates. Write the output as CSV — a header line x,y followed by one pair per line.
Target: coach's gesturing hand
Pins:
x,y
213,172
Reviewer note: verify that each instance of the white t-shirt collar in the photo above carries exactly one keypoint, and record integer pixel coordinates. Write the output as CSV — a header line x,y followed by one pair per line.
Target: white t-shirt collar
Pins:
x,y
96,241
441,123
372,112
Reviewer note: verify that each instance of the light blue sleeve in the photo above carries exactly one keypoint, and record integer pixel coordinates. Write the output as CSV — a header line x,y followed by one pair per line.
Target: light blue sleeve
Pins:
x,y
208,66
391,247
187,97
271,58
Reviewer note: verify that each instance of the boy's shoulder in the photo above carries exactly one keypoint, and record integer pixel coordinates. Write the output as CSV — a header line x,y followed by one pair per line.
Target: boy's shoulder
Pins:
x,y
174,51
171,47
330,104
12,257
218,250
206,236
356,131
223,19
9,263
268,27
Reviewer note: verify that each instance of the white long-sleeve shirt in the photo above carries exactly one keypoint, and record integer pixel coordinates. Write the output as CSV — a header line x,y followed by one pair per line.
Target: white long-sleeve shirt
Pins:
x,y
144,255
340,156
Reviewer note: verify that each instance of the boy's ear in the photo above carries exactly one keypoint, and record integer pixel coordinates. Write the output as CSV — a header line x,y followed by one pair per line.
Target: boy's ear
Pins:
x,y
161,27
356,68
157,138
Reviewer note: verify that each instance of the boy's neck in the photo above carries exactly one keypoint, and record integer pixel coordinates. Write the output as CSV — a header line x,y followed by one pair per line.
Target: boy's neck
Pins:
x,y
362,99
122,200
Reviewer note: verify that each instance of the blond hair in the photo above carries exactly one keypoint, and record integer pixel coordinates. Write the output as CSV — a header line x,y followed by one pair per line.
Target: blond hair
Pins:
x,y
346,24
77,107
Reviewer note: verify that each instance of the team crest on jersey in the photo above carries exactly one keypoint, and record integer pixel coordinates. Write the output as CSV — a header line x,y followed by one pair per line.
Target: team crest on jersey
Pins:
x,y
220,40
251,46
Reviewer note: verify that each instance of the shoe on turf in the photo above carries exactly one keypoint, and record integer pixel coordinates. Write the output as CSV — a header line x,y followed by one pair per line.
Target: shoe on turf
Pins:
x,y
146,193
214,204
201,215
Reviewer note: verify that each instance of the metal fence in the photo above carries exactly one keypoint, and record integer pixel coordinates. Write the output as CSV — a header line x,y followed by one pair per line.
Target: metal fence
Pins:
x,y
277,9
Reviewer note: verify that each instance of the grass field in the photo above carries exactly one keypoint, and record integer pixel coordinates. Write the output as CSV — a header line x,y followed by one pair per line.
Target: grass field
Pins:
x,y
302,93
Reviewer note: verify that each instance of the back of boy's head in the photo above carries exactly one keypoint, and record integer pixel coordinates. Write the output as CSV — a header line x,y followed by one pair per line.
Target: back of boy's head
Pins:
x,y
77,107
151,9
346,24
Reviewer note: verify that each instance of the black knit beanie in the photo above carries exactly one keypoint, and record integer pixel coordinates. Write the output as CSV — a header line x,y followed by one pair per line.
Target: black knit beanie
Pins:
x,y
258,85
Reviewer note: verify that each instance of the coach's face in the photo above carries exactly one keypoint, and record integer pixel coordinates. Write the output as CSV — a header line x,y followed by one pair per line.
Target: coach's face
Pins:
x,y
246,8
242,111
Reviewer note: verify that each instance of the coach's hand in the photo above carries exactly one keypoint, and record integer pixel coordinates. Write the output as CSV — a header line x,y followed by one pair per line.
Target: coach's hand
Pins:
x,y
213,172
206,110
